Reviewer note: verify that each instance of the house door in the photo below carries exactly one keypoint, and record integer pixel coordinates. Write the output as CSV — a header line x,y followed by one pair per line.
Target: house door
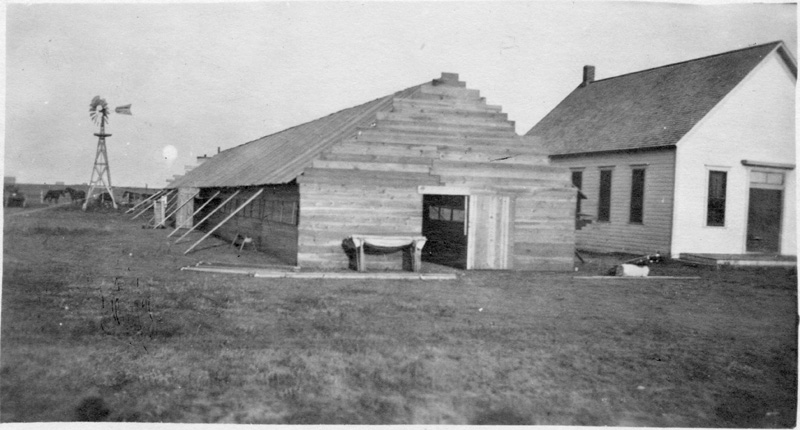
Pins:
x,y
445,225
764,220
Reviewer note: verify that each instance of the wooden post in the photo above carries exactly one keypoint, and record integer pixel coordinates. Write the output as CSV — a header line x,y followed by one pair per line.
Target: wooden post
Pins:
x,y
166,205
209,215
182,205
225,220
195,213
166,217
151,205
143,202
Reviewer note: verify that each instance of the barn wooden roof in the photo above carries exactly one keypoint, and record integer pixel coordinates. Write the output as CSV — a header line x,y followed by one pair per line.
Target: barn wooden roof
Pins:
x,y
648,109
281,157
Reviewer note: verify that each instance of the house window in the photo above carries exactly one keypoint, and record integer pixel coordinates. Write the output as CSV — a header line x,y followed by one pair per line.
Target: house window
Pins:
x,y
577,181
717,183
637,196
604,207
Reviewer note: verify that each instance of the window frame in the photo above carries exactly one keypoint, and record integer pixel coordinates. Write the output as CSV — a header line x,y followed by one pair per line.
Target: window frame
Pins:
x,y
604,198
720,201
637,197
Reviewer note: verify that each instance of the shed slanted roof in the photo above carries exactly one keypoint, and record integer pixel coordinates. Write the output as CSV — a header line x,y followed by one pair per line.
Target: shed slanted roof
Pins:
x,y
281,157
647,109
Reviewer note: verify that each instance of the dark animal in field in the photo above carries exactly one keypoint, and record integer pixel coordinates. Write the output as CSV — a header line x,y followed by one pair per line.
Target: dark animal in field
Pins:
x,y
105,199
52,196
13,198
75,195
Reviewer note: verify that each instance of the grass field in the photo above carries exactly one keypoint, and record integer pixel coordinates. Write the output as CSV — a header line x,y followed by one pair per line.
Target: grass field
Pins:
x,y
98,323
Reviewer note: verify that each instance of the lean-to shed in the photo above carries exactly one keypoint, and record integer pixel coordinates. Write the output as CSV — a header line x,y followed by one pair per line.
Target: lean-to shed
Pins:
x,y
432,160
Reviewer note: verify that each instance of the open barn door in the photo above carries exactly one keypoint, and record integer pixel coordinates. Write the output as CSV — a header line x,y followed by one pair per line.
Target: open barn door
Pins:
x,y
444,224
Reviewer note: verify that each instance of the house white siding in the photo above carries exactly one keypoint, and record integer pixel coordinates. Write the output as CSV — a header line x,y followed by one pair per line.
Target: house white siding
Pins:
x,y
618,234
755,122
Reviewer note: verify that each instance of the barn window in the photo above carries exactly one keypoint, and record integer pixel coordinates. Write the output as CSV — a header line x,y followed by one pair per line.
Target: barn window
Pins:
x,y
717,184
446,214
604,206
433,212
637,196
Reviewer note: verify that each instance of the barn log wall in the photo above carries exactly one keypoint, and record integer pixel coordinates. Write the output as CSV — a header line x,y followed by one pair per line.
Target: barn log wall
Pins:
x,y
279,238
443,135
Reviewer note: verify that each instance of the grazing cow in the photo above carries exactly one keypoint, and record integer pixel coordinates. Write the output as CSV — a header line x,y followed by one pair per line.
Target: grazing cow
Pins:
x,y
52,196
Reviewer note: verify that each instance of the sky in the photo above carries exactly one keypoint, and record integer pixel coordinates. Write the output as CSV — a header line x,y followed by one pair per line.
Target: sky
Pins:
x,y
203,76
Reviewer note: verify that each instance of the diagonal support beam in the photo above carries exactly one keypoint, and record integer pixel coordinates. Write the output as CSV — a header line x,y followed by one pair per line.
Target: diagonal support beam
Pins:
x,y
195,213
143,202
225,220
182,205
209,215
173,199
152,203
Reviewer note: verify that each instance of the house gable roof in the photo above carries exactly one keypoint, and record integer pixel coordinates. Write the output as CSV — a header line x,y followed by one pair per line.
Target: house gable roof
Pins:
x,y
281,157
648,109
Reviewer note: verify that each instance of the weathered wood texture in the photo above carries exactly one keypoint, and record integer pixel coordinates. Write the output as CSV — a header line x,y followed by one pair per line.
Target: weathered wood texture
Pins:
x,y
444,135
182,217
619,234
278,237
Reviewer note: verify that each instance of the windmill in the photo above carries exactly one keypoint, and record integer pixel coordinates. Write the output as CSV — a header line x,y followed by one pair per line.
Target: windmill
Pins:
x,y
101,175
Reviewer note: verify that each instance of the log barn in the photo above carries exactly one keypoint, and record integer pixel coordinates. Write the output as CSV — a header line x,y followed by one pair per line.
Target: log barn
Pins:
x,y
433,160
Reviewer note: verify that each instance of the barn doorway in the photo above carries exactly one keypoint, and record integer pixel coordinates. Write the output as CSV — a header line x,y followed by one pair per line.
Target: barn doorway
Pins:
x,y
765,207
445,225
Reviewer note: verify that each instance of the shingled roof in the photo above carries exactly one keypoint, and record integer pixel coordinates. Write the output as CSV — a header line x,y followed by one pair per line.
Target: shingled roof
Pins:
x,y
648,109
281,157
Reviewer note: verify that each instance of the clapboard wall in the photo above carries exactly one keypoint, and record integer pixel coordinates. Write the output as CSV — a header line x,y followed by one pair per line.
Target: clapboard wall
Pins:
x,y
444,139
619,234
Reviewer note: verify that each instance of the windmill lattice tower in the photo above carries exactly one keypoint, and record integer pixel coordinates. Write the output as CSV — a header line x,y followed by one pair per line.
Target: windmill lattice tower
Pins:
x,y
101,173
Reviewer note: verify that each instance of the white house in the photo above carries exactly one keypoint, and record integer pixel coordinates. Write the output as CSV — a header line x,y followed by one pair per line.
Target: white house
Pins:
x,y
696,157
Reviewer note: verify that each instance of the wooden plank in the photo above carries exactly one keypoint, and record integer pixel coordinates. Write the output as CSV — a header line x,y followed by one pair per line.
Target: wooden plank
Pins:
x,y
195,213
449,105
502,127
153,196
451,117
360,177
182,205
377,166
152,203
376,135
209,215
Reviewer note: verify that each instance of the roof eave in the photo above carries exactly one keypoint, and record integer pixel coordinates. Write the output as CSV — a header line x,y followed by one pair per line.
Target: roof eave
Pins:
x,y
614,151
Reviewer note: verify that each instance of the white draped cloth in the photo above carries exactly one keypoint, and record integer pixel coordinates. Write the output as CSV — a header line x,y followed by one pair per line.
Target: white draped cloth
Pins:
x,y
389,241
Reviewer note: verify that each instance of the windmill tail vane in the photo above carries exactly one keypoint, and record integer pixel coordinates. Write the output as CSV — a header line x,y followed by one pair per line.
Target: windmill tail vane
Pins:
x,y
124,110
98,110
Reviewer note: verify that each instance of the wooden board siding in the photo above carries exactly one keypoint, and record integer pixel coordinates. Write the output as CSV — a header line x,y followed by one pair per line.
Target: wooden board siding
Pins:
x,y
182,217
331,210
618,234
271,236
446,136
